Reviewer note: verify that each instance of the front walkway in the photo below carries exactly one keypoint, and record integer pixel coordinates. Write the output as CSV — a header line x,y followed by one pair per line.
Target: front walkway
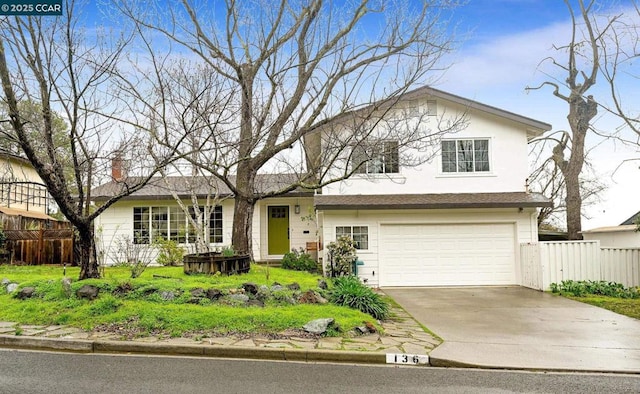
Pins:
x,y
402,334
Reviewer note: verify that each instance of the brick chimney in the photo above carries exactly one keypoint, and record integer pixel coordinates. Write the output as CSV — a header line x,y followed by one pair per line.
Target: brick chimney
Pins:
x,y
118,172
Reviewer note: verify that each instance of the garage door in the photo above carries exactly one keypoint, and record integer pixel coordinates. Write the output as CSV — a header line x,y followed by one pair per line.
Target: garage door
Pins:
x,y
447,254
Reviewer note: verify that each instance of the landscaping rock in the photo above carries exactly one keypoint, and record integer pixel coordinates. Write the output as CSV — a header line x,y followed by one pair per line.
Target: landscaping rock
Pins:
x,y
263,293
214,294
311,297
276,284
250,287
241,298
255,303
66,287
198,292
149,291
236,291
275,288
362,330
26,292
293,286
322,284
5,282
370,327
89,292
318,326
122,289
167,295
11,287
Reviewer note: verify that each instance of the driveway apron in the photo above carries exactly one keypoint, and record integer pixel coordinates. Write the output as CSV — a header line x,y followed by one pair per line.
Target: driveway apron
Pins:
x,y
520,328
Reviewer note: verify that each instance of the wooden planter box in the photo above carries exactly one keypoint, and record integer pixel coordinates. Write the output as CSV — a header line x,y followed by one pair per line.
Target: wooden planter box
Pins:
x,y
212,262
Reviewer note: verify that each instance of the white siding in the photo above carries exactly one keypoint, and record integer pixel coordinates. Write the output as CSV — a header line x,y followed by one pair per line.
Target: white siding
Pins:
x,y
524,228
117,221
508,163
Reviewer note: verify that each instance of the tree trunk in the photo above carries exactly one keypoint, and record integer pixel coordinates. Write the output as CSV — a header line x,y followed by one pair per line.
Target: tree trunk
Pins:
x,y
581,112
242,225
573,201
87,253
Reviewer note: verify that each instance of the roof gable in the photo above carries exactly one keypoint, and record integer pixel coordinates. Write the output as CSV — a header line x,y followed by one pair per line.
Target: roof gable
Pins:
x,y
534,127
631,220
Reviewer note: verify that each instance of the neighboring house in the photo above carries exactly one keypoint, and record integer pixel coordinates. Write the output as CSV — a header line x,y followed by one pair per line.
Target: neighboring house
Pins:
x,y
24,200
623,236
455,220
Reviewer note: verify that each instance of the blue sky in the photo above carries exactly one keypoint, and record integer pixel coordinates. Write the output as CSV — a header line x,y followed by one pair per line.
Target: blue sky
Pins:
x,y
503,43
501,57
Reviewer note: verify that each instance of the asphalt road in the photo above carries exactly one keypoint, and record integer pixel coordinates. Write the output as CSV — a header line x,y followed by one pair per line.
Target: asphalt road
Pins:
x,y
42,372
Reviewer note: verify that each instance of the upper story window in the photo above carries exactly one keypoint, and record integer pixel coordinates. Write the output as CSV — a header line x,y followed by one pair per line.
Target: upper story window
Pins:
x,y
381,158
465,155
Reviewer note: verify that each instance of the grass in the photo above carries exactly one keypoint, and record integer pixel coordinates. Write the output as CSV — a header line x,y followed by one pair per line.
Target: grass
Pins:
x,y
623,306
608,295
142,311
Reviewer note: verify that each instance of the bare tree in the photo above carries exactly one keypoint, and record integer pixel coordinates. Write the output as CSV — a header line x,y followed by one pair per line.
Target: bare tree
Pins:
x,y
546,178
55,64
581,67
263,83
621,50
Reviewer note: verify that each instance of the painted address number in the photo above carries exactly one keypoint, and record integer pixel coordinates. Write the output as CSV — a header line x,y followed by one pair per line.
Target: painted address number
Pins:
x,y
412,359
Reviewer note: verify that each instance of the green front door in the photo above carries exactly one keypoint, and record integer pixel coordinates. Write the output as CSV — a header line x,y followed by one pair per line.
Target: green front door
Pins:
x,y
278,230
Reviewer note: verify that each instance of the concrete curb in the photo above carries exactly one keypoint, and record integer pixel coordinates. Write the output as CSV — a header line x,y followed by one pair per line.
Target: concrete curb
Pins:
x,y
447,363
59,344
278,354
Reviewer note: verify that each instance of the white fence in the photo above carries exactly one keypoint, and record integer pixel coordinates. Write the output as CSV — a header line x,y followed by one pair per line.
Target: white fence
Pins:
x,y
544,263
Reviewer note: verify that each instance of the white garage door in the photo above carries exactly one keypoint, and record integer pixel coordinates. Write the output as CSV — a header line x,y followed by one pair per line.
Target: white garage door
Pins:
x,y
447,254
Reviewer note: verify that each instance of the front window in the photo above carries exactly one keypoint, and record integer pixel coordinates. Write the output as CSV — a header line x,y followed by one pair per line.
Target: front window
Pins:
x,y
151,223
465,155
381,158
359,235
141,225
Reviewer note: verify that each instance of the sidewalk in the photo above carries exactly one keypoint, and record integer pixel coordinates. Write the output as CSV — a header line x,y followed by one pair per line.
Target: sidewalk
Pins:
x,y
403,335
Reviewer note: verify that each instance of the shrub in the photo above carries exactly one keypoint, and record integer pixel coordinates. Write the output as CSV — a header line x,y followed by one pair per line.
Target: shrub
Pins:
x,y
603,288
343,254
134,256
298,260
228,251
170,253
349,291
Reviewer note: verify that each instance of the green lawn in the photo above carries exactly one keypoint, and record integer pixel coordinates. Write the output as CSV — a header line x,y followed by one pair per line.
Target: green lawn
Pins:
x,y
141,310
624,306
608,295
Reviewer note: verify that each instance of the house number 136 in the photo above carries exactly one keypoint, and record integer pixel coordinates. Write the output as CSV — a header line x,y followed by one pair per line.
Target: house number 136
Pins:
x,y
406,359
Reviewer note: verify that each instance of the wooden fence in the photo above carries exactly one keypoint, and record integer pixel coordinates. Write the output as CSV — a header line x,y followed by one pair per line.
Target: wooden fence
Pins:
x,y
44,246
544,263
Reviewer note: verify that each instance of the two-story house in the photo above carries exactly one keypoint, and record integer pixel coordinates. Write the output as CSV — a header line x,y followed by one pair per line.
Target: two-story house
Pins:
x,y
456,219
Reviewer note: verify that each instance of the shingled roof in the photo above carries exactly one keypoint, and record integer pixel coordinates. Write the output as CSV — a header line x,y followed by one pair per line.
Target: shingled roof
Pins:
x,y
160,189
432,201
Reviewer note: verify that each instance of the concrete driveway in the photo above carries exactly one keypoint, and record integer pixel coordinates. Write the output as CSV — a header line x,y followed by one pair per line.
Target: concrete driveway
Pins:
x,y
520,328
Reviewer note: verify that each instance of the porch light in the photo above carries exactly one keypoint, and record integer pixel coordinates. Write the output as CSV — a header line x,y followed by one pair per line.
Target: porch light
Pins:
x,y
296,209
